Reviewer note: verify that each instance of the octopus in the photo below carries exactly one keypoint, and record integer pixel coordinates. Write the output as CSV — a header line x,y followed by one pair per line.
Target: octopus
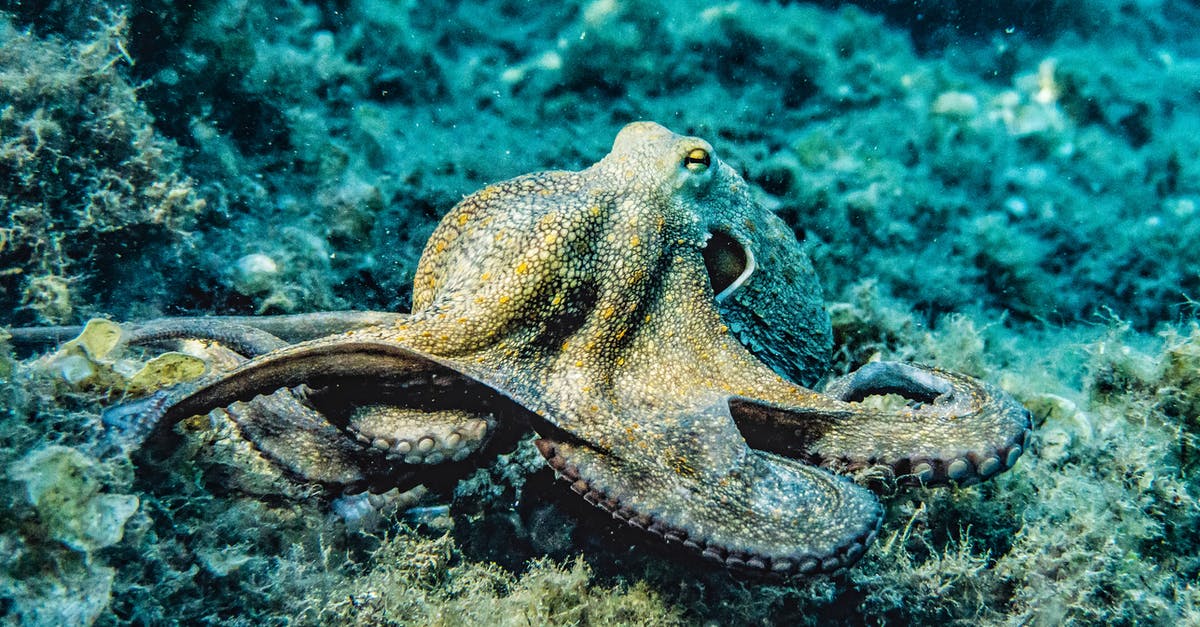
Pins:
x,y
653,324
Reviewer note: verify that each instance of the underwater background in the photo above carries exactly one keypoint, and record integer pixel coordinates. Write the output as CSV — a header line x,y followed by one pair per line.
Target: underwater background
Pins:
x,y
1007,189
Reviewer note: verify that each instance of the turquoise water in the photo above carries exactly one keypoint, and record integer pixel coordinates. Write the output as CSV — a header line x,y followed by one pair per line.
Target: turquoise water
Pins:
x,y
1009,190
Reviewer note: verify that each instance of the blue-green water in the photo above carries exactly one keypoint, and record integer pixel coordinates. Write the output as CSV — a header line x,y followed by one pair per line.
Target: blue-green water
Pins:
x,y
1008,189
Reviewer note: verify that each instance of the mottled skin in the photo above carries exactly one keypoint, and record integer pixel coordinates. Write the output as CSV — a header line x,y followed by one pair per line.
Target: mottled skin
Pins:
x,y
587,299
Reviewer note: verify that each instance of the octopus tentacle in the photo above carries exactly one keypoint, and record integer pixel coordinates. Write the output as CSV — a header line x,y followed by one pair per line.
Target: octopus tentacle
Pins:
x,y
683,472
299,440
785,518
422,436
33,337
963,430
246,340
281,426
417,411
316,363
309,326
241,333
957,428
289,431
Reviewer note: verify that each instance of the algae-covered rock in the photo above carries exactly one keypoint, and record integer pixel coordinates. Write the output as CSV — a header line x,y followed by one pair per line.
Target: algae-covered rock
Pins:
x,y
50,571
74,595
95,360
62,483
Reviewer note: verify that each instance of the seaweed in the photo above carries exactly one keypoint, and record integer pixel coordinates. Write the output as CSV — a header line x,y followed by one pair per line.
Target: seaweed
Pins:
x,y
81,169
1008,191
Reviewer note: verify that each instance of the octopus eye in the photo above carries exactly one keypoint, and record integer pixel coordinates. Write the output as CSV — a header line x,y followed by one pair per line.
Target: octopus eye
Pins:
x,y
697,160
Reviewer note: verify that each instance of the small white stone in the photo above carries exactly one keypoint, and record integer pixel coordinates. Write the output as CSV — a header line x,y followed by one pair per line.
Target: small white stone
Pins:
x,y
549,61
1055,445
956,104
1016,206
75,369
1181,207
254,273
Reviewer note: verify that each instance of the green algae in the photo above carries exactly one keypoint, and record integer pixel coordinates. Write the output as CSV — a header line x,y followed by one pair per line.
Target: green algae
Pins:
x,y
1091,525
980,202
81,166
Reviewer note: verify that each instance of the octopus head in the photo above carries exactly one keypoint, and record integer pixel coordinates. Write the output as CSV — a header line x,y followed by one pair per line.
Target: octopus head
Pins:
x,y
762,280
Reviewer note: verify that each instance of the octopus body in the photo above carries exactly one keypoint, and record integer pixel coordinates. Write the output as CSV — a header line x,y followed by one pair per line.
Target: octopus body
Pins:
x,y
654,325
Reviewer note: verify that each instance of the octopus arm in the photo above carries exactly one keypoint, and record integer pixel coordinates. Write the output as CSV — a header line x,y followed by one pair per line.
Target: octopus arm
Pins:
x,y
248,335
768,515
321,363
299,440
954,428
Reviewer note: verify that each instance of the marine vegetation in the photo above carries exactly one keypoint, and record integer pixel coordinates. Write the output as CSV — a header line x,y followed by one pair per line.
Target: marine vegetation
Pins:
x,y
1007,191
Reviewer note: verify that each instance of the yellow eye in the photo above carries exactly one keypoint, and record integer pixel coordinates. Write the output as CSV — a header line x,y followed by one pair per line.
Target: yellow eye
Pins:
x,y
697,160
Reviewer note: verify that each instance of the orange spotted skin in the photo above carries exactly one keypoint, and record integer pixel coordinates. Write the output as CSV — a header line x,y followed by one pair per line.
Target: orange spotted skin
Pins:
x,y
587,298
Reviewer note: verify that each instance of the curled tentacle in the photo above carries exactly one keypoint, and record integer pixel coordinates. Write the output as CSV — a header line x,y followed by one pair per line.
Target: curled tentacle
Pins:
x,y
955,429
299,440
959,429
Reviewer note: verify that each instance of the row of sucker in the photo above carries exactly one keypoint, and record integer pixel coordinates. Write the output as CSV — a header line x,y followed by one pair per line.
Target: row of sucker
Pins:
x,y
367,510
834,563
414,436
963,469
